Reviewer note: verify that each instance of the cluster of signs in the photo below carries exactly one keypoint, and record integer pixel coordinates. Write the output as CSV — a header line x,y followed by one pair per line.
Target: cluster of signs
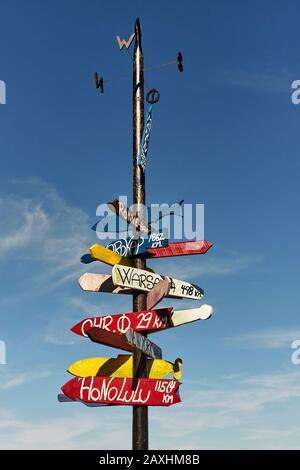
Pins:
x,y
104,381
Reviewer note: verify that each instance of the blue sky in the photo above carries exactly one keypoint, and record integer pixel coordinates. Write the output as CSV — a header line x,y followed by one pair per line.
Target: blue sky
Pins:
x,y
225,134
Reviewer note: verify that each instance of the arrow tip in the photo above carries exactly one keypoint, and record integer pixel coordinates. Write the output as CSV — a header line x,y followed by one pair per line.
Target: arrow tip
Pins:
x,y
138,31
206,311
208,244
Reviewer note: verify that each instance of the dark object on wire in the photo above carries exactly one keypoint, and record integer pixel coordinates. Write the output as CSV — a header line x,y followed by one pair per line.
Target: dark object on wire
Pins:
x,y
99,83
153,96
179,61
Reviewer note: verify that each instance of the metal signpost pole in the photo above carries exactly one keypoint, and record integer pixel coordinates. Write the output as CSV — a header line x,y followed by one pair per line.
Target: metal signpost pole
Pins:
x,y
140,413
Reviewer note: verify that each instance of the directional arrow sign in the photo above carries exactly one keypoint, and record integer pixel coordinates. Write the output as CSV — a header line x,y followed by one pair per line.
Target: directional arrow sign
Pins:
x,y
149,321
109,257
144,281
127,341
123,391
180,249
110,223
101,253
158,292
122,366
135,246
139,321
181,317
143,344
64,399
126,214
101,283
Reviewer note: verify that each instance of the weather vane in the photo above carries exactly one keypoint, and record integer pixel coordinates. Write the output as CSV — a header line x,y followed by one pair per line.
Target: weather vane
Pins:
x,y
153,94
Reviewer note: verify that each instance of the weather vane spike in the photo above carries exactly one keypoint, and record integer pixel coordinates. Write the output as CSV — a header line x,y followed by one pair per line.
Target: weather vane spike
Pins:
x,y
137,29
123,42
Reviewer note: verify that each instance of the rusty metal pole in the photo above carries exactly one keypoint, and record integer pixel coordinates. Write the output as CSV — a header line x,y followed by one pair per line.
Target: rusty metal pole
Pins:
x,y
139,413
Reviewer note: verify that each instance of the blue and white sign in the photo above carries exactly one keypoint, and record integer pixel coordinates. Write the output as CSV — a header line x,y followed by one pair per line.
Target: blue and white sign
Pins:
x,y
145,140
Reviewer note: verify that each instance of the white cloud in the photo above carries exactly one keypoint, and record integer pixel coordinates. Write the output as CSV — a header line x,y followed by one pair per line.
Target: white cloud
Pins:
x,y
67,316
250,394
37,225
11,380
267,80
79,431
228,415
22,223
259,411
186,267
267,339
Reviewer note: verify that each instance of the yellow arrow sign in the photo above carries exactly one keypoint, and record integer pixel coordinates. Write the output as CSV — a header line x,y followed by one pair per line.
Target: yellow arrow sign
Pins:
x,y
110,257
122,366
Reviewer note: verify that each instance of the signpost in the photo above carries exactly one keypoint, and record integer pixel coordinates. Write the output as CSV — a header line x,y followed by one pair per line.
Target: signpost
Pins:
x,y
137,380
129,341
62,398
109,257
145,140
158,292
122,366
111,221
123,391
126,214
144,281
197,247
101,283
150,321
136,246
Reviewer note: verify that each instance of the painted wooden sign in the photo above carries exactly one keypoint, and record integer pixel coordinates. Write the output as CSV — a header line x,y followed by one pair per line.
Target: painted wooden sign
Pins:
x,y
181,317
111,221
87,258
109,257
92,282
101,253
150,321
135,246
123,391
62,398
139,279
146,320
180,249
129,217
142,158
158,292
138,341
131,247
122,366
127,341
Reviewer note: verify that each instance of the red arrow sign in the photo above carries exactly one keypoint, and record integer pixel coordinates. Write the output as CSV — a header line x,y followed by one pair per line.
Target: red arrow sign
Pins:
x,y
196,247
147,320
123,391
153,320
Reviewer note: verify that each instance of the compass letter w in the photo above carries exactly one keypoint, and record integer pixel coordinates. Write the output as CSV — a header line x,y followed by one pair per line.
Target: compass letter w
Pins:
x,y
123,42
